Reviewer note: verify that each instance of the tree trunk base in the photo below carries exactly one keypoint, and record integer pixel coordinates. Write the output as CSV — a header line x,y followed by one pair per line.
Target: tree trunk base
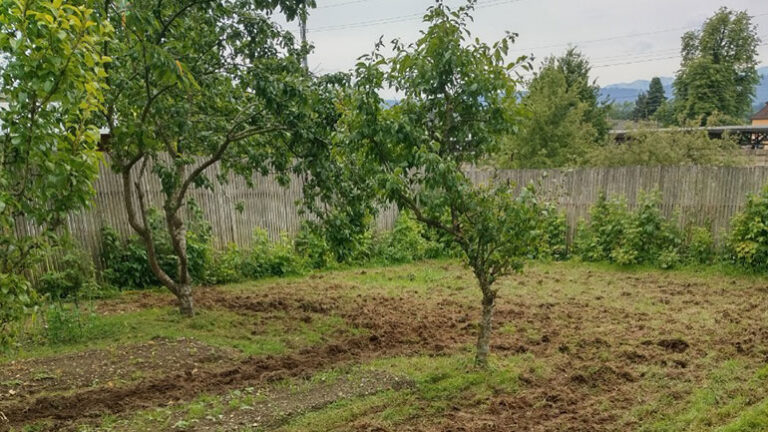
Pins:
x,y
484,335
186,303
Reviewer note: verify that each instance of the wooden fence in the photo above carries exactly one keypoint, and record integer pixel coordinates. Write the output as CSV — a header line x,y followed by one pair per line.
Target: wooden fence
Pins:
x,y
700,195
707,196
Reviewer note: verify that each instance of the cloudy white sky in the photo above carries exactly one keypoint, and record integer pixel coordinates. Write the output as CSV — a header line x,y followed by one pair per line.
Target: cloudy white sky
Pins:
x,y
626,39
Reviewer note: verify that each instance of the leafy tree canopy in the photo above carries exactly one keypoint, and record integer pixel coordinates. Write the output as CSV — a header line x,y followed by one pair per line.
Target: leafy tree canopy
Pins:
x,y
52,80
555,131
563,120
576,69
198,83
718,71
458,102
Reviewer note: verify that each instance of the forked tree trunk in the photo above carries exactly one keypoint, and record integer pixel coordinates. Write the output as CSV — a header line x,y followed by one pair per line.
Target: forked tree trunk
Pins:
x,y
484,333
181,287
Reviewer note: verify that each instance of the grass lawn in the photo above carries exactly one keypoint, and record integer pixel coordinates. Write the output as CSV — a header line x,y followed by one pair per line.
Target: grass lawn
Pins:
x,y
576,347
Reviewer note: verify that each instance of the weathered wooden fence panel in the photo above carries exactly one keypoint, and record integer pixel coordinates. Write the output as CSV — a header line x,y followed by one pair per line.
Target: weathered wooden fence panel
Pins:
x,y
707,196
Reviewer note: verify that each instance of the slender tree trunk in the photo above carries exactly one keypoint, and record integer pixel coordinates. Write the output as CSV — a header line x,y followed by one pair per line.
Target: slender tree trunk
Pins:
x,y
186,304
484,334
178,233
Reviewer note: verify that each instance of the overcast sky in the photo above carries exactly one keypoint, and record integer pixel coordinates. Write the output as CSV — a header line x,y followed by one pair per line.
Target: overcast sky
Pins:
x,y
625,39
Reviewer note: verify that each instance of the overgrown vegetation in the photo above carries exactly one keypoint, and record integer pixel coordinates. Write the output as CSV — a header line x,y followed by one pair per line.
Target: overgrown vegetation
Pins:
x,y
52,79
640,236
125,262
675,147
749,234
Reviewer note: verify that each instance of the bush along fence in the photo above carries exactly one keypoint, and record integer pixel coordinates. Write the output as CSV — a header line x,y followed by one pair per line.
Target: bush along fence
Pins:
x,y
614,233
704,197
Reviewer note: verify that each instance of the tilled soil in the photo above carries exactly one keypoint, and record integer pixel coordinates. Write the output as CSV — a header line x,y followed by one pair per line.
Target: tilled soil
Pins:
x,y
93,368
425,330
275,406
597,345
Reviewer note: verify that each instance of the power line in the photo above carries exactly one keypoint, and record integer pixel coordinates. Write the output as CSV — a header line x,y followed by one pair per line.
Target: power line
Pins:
x,y
650,60
370,23
636,62
397,19
342,4
610,38
627,56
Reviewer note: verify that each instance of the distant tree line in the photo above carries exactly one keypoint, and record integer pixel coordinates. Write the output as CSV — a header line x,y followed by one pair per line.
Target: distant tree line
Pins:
x,y
567,123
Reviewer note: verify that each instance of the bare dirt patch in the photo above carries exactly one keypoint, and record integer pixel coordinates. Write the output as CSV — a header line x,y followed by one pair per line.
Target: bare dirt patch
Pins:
x,y
24,378
392,326
270,407
597,333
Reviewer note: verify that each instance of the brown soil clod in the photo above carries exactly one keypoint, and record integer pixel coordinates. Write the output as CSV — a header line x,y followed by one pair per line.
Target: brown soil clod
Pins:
x,y
675,345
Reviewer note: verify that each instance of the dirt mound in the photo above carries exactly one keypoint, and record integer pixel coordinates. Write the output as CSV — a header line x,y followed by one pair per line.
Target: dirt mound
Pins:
x,y
675,345
601,376
249,303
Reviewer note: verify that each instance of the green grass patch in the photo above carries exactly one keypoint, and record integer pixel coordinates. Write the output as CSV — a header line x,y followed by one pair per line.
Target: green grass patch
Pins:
x,y
438,384
726,398
276,334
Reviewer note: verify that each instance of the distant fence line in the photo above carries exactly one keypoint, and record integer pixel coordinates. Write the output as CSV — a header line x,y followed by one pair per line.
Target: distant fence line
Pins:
x,y
707,196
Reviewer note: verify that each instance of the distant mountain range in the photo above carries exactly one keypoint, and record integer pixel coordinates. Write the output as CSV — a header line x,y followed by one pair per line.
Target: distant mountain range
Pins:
x,y
627,92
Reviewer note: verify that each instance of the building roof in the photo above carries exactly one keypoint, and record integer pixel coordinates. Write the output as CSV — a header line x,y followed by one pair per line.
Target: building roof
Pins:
x,y
762,114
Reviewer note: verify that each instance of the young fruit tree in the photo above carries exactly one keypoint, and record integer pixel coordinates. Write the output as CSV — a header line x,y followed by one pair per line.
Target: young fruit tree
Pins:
x,y
193,84
52,82
458,100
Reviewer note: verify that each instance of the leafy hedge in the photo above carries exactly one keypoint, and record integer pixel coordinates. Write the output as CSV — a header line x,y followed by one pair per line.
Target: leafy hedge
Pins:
x,y
748,242
641,236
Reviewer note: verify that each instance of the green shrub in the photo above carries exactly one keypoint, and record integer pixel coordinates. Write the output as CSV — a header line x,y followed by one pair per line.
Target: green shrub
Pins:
x,y
271,259
125,261
66,324
669,259
404,243
701,246
313,246
748,242
598,239
74,278
642,236
226,266
649,234
17,298
553,232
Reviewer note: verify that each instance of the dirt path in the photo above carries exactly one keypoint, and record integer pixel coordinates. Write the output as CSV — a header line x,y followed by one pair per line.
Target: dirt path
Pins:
x,y
92,368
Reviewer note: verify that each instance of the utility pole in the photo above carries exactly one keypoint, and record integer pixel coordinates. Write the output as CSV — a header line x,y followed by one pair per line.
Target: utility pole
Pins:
x,y
303,35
